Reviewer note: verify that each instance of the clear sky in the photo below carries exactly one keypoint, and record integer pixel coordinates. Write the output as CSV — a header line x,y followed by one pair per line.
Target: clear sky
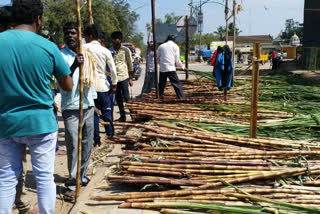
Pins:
x,y
257,17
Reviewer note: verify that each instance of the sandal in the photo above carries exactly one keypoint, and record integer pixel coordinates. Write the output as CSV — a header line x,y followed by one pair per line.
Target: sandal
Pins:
x,y
61,152
69,196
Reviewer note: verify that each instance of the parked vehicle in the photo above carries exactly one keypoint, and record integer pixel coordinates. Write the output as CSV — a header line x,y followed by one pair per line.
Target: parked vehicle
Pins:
x,y
136,68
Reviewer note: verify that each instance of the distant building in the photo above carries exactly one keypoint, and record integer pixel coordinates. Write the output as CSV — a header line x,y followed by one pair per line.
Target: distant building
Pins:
x,y
295,41
252,39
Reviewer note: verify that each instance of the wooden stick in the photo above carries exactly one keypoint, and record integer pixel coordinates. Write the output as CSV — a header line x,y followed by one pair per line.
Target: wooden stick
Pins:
x,y
81,103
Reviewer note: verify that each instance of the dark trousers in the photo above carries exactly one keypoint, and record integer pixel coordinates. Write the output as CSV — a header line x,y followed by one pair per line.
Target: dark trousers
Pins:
x,y
104,103
122,93
173,77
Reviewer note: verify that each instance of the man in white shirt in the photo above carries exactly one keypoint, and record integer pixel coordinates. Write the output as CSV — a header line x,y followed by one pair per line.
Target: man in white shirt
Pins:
x,y
168,57
103,57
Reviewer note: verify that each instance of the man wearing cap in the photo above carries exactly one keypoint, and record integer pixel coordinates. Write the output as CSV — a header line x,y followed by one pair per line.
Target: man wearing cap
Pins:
x,y
168,57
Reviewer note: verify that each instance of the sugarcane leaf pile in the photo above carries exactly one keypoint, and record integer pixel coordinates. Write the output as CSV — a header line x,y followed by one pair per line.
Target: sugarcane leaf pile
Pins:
x,y
289,107
198,153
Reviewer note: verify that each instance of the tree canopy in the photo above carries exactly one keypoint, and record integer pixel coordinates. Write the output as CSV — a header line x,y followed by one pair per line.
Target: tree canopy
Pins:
x,y
109,15
221,31
291,27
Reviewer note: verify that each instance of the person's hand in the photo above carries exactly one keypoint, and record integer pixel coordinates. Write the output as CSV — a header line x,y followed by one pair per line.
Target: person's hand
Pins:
x,y
186,69
113,90
130,82
78,60
97,112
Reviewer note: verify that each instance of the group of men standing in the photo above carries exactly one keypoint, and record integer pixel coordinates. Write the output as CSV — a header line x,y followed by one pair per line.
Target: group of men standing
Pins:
x,y
26,106
27,65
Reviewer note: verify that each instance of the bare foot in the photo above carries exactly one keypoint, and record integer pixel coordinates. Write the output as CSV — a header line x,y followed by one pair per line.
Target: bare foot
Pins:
x,y
33,211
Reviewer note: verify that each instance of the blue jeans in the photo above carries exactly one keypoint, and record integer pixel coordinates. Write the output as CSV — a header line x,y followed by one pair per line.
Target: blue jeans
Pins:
x,y
42,150
71,123
104,103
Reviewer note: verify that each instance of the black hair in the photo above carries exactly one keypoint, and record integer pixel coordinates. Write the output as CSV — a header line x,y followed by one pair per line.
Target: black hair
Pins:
x,y
92,30
102,36
5,15
171,37
116,35
26,11
70,25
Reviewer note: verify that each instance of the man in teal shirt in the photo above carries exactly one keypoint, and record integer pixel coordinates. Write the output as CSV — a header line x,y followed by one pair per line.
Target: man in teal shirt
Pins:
x,y
27,64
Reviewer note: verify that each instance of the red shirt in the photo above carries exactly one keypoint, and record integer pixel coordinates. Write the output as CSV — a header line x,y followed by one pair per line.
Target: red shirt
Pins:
x,y
214,58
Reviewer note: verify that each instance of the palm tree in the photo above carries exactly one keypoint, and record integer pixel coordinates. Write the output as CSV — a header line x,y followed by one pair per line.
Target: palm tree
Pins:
x,y
221,32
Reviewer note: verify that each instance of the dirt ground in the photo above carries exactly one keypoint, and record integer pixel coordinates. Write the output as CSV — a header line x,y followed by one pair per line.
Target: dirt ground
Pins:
x,y
98,185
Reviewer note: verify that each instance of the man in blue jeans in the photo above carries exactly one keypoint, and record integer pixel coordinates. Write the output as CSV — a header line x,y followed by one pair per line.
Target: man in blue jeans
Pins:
x,y
26,110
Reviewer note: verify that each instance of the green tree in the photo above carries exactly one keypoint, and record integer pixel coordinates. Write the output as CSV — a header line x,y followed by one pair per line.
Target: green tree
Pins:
x,y
109,15
292,27
171,18
206,39
137,40
221,31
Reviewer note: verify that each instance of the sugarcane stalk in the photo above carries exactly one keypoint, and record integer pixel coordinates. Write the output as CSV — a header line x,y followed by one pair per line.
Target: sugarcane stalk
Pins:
x,y
180,193
90,12
189,206
81,84
173,211
202,166
262,199
173,161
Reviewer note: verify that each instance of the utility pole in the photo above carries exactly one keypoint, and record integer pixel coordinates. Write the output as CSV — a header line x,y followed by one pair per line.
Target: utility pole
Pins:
x,y
200,20
234,36
155,47
187,46
227,19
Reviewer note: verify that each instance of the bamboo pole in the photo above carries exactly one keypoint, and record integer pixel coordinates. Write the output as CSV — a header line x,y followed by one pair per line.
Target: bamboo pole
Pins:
x,y
81,82
153,11
254,92
90,12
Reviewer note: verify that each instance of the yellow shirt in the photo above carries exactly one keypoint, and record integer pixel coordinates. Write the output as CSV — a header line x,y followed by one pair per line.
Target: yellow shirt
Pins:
x,y
123,61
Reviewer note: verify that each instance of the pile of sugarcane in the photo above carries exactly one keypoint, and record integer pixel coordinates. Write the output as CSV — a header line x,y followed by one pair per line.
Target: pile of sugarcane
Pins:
x,y
199,168
287,108
186,158
203,104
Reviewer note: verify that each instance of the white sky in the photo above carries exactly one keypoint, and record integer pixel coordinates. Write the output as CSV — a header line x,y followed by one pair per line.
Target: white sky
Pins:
x,y
258,16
